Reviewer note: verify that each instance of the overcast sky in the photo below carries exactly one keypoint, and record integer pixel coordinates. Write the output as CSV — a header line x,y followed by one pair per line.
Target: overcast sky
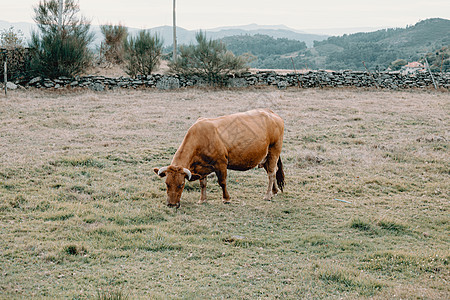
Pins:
x,y
206,14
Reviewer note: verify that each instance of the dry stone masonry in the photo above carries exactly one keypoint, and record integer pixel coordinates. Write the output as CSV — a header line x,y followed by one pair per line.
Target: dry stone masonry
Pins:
x,y
312,79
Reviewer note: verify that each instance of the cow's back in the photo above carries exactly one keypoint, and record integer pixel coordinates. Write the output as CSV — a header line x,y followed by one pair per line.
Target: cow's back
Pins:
x,y
244,138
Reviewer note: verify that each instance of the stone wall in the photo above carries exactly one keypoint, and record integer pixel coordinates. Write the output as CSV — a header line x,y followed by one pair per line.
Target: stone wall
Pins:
x,y
311,79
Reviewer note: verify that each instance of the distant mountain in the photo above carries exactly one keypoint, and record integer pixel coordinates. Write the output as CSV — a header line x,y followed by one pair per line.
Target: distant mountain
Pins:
x,y
262,46
188,36
341,31
376,49
275,33
335,31
185,36
381,47
254,26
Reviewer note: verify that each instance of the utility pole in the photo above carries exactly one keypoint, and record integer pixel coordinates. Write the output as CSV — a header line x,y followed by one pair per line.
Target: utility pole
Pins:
x,y
60,14
174,34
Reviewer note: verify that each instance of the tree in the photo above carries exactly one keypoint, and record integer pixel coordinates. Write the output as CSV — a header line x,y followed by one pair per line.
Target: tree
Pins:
x,y
112,47
60,50
439,60
9,39
209,58
142,53
17,56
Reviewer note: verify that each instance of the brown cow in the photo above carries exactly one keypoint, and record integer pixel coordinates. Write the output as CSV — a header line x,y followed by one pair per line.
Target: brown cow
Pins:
x,y
239,141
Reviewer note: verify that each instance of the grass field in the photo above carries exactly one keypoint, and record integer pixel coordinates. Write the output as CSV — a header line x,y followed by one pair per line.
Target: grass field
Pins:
x,y
83,216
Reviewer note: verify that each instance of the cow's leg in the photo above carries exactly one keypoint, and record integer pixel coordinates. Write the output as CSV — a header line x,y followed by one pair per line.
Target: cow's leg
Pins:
x,y
271,168
270,188
221,174
203,192
274,184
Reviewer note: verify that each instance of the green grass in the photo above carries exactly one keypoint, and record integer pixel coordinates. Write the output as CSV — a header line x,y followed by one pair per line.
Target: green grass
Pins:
x,y
83,216
111,295
347,280
361,225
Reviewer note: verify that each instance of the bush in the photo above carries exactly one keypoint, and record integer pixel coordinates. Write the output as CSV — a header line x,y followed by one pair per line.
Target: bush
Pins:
x,y
112,48
209,59
398,64
17,55
10,39
60,51
142,53
439,60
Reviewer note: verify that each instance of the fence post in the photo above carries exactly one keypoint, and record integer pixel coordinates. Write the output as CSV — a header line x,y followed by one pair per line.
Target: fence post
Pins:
x,y
295,71
5,75
431,74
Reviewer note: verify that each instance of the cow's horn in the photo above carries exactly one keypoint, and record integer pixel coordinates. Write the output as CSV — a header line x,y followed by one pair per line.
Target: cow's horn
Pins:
x,y
162,170
188,173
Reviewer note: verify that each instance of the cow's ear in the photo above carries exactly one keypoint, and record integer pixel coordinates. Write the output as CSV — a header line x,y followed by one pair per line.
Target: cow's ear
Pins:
x,y
194,177
162,174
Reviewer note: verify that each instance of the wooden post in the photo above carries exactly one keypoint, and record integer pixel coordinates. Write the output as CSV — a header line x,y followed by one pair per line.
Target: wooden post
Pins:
x,y
295,71
5,75
431,74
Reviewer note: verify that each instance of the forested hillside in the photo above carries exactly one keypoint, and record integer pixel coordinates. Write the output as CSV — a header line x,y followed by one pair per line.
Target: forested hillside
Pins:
x,y
266,49
377,49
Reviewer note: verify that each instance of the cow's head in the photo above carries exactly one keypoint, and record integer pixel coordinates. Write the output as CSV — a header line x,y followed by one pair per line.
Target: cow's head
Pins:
x,y
175,178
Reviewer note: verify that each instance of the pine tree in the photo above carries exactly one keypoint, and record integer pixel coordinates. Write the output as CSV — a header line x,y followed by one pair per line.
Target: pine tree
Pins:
x,y
142,53
60,51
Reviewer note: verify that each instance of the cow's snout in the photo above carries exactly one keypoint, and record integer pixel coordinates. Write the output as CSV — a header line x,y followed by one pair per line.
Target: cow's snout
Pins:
x,y
176,205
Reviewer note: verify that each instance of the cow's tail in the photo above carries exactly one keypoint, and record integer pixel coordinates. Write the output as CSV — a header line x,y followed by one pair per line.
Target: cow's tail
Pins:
x,y
280,174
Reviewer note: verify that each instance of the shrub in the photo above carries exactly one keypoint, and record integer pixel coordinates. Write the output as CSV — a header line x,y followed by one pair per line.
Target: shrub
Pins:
x,y
111,48
10,39
209,59
142,53
60,51
439,60
18,57
398,64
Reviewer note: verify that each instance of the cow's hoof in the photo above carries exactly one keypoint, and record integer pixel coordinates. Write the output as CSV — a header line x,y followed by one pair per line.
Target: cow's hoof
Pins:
x,y
267,199
201,201
226,202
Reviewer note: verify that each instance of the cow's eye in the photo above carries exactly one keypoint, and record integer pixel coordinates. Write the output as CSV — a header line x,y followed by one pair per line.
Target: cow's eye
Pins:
x,y
180,186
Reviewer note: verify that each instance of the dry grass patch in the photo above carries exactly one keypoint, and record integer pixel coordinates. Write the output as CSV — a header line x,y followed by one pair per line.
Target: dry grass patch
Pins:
x,y
82,215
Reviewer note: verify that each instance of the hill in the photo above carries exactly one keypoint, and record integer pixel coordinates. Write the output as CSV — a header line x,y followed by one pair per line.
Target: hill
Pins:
x,y
377,49
380,48
188,36
279,33
185,36
262,45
